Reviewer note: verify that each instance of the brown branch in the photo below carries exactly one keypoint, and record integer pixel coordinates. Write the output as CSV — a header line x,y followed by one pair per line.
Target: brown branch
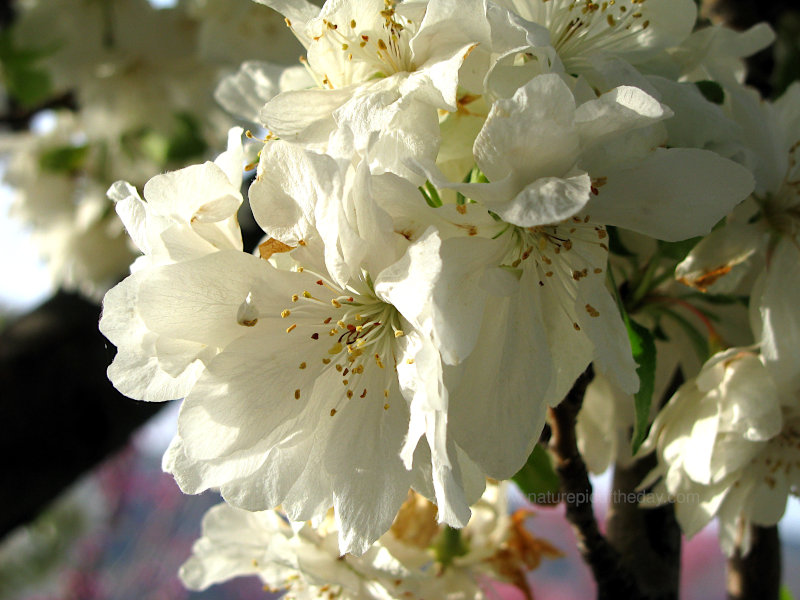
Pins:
x,y
60,414
614,581
757,575
648,539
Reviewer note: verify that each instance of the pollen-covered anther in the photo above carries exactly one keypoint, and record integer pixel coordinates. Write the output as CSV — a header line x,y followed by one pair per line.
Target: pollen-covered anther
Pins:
x,y
593,312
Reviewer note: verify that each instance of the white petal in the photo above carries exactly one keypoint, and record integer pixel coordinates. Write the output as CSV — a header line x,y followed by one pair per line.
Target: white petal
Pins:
x,y
655,195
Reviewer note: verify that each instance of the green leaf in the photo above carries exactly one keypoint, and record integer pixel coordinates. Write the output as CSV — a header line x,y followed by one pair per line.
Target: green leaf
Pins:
x,y
537,479
786,594
29,85
615,243
186,141
449,545
643,347
27,82
718,299
64,159
678,250
711,90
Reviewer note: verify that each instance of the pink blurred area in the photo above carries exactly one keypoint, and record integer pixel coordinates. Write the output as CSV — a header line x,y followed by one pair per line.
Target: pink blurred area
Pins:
x,y
148,527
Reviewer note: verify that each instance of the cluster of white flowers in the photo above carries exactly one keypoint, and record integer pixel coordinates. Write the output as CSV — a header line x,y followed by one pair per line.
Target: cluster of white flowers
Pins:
x,y
416,558
440,185
134,86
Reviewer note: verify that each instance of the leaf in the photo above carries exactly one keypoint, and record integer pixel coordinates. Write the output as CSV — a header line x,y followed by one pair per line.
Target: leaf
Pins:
x,y
643,347
678,250
186,141
615,243
27,82
719,299
711,90
786,594
64,159
537,479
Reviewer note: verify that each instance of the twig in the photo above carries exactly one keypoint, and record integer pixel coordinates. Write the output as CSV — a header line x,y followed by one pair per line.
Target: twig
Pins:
x,y
614,581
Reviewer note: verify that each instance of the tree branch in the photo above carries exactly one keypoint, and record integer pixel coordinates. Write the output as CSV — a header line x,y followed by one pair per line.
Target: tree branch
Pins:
x,y
61,415
648,539
758,574
614,581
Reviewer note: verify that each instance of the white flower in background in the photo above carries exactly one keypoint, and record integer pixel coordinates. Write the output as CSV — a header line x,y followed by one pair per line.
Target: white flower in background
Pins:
x,y
56,193
234,31
130,65
717,53
771,218
728,445
167,230
416,558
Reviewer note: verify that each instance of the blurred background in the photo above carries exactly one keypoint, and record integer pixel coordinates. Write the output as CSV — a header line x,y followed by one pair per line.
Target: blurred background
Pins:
x,y
100,90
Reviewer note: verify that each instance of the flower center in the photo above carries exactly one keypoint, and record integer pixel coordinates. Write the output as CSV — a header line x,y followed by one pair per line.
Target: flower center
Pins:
x,y
349,331
579,28
563,255
351,48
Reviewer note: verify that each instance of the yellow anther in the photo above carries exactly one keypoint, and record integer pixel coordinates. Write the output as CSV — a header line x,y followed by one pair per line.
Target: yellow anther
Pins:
x,y
291,327
399,333
295,297
386,406
378,360
307,294
336,303
285,313
302,365
333,411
